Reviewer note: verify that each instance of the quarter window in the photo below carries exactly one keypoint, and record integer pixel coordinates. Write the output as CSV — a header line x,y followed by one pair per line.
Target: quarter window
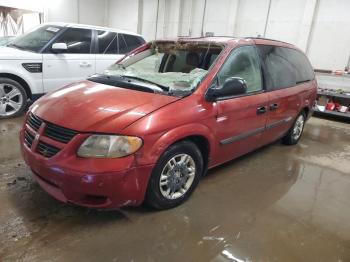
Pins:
x,y
303,68
243,63
78,40
123,48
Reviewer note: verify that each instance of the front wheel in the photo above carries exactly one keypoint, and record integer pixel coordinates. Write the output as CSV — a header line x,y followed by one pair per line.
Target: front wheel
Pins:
x,y
295,131
175,176
13,98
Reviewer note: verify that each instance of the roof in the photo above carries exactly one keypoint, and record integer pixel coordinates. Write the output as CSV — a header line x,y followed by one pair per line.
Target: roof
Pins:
x,y
91,27
230,39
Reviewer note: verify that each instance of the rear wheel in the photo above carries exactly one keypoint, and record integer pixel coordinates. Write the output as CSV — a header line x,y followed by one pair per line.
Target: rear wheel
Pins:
x,y
295,131
13,98
175,176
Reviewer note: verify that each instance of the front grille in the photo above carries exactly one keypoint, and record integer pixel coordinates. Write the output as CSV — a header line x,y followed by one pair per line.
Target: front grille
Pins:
x,y
28,138
34,122
55,132
46,149
59,133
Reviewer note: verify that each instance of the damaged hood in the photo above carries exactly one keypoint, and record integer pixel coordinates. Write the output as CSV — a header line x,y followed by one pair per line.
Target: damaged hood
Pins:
x,y
92,107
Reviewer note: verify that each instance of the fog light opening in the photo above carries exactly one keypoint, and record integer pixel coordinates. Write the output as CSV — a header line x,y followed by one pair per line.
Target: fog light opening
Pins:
x,y
95,200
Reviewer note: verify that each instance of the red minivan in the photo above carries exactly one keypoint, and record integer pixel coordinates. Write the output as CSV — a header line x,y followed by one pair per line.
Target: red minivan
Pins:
x,y
152,124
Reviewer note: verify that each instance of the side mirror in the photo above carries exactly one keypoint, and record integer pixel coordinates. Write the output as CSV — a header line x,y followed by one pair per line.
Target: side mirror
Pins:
x,y
59,47
232,86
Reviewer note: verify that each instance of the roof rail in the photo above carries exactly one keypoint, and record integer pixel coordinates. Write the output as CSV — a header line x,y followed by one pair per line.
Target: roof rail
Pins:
x,y
190,37
234,37
264,38
195,37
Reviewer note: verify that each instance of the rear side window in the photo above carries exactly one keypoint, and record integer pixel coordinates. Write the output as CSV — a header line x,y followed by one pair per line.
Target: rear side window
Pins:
x,y
113,43
129,43
78,40
284,67
107,42
243,62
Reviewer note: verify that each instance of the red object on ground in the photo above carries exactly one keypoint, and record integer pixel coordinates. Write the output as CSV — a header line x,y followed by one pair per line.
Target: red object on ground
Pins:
x,y
330,106
339,72
337,106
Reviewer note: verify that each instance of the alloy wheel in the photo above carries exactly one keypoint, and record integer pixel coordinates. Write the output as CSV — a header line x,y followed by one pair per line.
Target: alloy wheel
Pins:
x,y
177,176
298,127
11,99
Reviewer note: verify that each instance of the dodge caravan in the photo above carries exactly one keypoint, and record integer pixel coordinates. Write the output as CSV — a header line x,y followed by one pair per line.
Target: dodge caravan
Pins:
x,y
150,126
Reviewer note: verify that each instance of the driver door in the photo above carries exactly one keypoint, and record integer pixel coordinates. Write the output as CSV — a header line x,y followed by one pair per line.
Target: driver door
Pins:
x,y
241,119
74,64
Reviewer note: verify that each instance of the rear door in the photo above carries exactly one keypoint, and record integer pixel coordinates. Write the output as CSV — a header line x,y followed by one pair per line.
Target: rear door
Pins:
x,y
76,63
280,74
112,46
241,120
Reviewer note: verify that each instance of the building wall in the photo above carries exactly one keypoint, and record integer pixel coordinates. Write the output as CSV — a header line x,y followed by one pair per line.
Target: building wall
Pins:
x,y
148,23
319,27
329,45
76,11
123,14
93,12
31,5
62,11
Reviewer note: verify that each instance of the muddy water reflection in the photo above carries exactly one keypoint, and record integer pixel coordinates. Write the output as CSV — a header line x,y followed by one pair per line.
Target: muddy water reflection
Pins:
x,y
277,204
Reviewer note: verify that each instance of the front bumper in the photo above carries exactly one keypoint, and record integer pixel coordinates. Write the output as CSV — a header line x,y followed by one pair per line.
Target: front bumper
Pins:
x,y
95,183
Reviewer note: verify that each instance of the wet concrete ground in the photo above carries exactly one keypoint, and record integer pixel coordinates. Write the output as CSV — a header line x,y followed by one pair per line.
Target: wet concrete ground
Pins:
x,y
279,203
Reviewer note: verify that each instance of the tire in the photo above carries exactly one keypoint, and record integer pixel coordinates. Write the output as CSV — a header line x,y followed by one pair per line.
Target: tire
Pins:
x,y
13,98
295,131
174,173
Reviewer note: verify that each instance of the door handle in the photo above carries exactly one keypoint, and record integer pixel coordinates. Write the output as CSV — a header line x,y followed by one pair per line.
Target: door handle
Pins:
x,y
85,64
261,110
273,106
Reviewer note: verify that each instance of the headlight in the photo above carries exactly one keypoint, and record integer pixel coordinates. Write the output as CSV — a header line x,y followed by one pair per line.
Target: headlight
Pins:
x,y
106,146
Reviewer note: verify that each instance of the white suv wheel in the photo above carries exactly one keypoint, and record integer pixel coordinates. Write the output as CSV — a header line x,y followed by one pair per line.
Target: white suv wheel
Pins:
x,y
12,98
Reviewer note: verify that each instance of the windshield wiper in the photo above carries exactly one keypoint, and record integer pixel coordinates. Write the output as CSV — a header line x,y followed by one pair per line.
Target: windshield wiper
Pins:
x,y
165,88
118,81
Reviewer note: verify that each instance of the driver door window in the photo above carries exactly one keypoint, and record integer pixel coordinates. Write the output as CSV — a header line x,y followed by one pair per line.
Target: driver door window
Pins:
x,y
78,40
243,62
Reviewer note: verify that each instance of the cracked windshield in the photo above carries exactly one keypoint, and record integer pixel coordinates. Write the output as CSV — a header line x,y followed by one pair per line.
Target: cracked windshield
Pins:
x,y
173,68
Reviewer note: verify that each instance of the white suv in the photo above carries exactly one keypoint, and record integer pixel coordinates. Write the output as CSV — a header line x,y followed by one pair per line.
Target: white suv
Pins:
x,y
53,55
